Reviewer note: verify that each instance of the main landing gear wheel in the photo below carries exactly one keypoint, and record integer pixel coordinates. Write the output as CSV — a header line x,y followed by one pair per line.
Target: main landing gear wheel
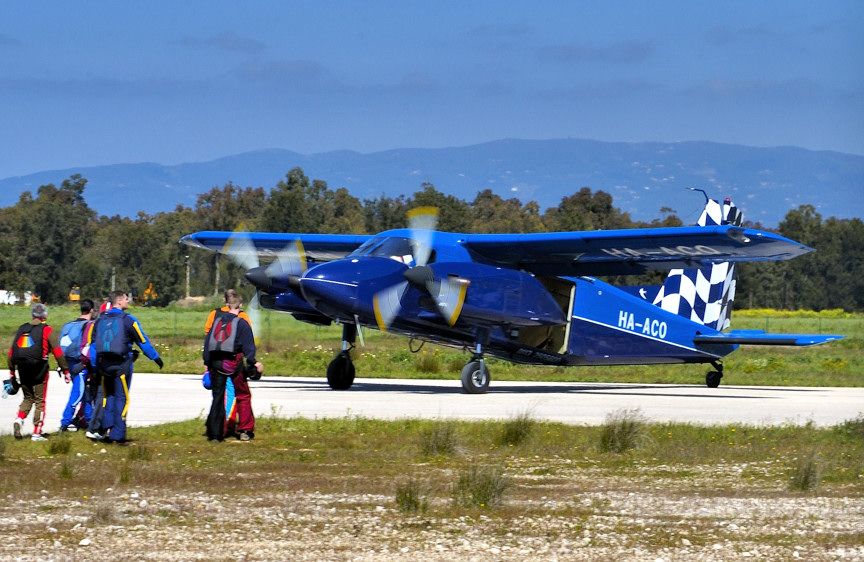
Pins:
x,y
712,378
340,372
475,377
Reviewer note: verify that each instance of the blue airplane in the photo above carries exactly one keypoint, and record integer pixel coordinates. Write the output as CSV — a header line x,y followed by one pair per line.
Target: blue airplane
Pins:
x,y
525,298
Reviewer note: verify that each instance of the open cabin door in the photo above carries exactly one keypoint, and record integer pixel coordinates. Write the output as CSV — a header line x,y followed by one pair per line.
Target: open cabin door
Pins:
x,y
552,339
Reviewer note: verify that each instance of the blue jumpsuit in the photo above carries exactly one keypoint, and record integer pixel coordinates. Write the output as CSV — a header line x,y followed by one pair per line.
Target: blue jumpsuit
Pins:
x,y
116,368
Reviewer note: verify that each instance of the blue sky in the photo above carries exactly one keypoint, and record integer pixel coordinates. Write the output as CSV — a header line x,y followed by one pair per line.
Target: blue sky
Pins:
x,y
99,83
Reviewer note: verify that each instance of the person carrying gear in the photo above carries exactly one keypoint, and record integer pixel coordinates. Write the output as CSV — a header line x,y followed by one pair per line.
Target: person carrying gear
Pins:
x,y
111,356
230,294
228,342
234,410
73,338
28,355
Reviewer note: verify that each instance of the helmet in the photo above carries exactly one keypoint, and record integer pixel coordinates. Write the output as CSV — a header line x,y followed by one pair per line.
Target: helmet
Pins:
x,y
205,380
11,386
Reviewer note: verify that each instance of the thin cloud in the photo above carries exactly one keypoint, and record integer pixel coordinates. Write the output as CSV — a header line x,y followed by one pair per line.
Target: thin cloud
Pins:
x,y
8,41
624,52
613,89
275,71
725,36
778,90
500,31
225,41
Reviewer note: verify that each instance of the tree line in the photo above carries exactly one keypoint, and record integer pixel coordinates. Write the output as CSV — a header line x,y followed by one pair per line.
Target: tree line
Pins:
x,y
53,240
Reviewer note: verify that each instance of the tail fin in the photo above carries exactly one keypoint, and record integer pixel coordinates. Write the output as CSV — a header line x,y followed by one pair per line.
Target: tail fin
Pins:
x,y
704,294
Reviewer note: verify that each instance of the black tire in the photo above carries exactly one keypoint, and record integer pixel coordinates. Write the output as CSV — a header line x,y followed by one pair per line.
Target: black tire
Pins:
x,y
340,372
712,379
475,377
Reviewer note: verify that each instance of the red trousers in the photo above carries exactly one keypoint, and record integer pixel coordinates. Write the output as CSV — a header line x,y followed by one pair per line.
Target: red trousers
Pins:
x,y
243,396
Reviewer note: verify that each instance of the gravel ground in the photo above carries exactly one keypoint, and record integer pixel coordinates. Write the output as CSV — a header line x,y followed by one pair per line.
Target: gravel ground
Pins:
x,y
299,525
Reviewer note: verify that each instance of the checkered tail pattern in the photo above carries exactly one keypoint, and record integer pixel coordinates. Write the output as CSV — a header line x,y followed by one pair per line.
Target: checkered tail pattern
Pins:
x,y
704,294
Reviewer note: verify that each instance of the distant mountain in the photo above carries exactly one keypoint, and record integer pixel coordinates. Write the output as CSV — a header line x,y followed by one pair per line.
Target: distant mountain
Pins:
x,y
642,177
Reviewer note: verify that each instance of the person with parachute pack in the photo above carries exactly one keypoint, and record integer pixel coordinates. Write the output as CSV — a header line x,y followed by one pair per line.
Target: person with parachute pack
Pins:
x,y
235,407
230,341
111,357
28,355
72,341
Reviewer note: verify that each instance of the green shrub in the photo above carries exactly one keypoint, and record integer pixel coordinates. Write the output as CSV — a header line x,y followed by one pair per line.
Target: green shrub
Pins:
x,y
517,429
440,439
427,362
622,431
125,474
480,486
59,445
67,471
138,452
852,428
410,497
806,474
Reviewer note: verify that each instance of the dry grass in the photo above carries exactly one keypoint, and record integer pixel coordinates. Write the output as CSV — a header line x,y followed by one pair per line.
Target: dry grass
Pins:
x,y
411,496
623,430
806,474
440,439
480,486
517,429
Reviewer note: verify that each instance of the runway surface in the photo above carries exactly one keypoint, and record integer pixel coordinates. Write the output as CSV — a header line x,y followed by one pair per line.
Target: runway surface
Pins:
x,y
158,398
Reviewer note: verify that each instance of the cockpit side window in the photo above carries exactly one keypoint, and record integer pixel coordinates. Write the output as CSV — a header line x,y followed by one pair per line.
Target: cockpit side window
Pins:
x,y
396,248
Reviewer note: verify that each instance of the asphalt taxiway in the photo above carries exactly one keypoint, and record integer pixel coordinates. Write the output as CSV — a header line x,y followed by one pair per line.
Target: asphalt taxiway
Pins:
x,y
158,398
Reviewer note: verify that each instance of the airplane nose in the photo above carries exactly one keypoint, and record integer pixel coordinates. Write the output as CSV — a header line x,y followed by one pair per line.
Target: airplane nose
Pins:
x,y
258,277
331,288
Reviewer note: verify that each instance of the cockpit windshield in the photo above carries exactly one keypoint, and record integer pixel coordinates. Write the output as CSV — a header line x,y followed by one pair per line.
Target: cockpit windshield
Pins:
x,y
392,247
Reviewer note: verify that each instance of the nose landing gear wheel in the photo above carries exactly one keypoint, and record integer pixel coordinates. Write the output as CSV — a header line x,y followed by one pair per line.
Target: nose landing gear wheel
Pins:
x,y
340,372
475,377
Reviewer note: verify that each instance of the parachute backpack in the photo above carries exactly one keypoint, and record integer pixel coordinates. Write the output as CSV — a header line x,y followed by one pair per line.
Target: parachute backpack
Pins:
x,y
223,334
27,346
70,339
109,336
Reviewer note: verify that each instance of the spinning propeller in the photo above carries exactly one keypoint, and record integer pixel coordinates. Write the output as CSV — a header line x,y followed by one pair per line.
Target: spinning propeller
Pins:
x,y
284,272
449,293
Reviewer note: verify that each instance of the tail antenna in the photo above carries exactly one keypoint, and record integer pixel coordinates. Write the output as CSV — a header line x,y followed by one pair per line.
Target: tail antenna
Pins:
x,y
702,191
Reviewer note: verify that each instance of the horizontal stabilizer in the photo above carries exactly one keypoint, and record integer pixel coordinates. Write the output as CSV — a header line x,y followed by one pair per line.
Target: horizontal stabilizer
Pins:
x,y
760,337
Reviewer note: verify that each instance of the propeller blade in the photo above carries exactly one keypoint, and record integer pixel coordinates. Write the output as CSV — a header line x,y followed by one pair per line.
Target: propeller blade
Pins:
x,y
254,312
241,250
290,261
422,222
387,303
359,331
449,295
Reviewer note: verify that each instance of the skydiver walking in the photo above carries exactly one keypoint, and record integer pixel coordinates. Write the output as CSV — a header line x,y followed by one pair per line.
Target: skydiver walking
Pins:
x,y
28,354
111,356
230,341
73,337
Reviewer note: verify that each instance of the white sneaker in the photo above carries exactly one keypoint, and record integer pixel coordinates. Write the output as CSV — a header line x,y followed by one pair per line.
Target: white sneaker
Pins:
x,y
71,427
94,436
38,437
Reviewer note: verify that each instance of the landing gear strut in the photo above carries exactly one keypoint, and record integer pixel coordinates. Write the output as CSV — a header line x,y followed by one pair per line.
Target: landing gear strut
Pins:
x,y
712,378
475,374
340,371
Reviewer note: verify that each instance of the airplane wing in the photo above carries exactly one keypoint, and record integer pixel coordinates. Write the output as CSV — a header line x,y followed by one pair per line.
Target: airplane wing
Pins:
x,y
629,251
320,247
